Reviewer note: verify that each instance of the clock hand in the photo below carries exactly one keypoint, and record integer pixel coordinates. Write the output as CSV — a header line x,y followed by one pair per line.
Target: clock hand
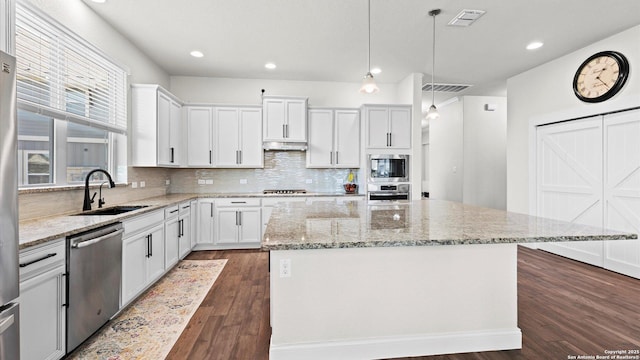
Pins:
x,y
603,83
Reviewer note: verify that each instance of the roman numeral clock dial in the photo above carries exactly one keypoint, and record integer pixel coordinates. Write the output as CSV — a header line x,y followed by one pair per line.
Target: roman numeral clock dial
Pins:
x,y
601,76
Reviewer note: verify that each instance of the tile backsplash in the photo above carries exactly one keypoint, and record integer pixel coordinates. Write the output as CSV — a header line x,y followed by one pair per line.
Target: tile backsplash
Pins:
x,y
282,170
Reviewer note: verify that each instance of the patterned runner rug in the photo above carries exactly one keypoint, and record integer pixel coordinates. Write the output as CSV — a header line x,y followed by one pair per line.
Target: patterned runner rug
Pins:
x,y
150,326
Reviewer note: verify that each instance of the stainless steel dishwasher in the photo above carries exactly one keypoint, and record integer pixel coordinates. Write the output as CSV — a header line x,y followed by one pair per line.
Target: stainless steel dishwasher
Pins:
x,y
94,268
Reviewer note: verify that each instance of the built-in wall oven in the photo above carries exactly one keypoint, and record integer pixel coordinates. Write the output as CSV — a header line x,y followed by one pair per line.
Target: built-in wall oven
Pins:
x,y
387,168
388,193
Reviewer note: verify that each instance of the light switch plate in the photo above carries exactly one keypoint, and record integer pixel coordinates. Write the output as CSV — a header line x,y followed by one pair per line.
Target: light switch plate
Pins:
x,y
201,182
143,184
134,184
209,182
167,182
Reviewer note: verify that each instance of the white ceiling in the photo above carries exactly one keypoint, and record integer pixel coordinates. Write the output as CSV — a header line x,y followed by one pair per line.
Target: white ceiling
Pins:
x,y
327,39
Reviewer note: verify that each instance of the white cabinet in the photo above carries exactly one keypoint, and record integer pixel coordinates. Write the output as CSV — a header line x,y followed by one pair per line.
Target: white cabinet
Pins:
x,y
388,126
238,223
184,222
200,135
285,118
172,231
334,138
239,142
143,254
42,301
205,224
193,237
156,128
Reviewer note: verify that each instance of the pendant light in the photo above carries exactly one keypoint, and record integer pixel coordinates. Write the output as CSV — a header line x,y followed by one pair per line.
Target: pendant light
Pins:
x,y
433,114
368,84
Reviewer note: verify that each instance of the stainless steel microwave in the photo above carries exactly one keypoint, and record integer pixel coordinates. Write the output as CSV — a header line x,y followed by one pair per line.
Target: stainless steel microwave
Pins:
x,y
388,168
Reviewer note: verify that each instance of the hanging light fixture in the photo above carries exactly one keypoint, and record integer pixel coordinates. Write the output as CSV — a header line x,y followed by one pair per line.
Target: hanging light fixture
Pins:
x,y
368,84
433,114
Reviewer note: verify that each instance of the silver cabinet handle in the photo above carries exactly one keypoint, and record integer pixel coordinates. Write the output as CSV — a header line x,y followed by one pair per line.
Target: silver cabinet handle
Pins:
x,y
38,260
331,157
284,131
239,218
337,161
96,240
210,157
211,209
287,133
240,152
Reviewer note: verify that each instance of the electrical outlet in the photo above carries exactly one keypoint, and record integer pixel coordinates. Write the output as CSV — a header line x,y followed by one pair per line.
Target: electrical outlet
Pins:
x,y
201,182
209,182
285,268
143,184
134,184
167,182
243,181
308,181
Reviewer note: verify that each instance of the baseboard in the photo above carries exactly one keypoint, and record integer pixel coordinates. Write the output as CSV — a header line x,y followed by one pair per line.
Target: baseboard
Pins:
x,y
405,346
201,247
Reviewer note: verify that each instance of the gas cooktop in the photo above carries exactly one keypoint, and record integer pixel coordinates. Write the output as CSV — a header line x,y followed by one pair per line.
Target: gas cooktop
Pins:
x,y
284,191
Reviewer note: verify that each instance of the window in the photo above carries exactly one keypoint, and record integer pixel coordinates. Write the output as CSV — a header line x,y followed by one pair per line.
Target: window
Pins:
x,y
72,114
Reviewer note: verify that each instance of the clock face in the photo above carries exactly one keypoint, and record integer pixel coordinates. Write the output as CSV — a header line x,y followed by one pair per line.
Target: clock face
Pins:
x,y
601,76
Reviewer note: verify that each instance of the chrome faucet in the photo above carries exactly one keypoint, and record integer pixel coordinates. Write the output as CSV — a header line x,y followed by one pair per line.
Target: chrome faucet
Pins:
x,y
87,199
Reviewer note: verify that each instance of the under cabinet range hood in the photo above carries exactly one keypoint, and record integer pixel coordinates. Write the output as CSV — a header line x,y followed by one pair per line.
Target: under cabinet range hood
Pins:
x,y
284,145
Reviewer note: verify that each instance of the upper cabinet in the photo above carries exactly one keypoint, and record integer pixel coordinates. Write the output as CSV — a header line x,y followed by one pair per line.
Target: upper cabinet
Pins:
x,y
334,138
238,132
388,126
200,136
156,117
285,118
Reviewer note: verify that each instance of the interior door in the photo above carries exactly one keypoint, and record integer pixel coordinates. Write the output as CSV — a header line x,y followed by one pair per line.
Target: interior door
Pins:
x,y
569,182
622,189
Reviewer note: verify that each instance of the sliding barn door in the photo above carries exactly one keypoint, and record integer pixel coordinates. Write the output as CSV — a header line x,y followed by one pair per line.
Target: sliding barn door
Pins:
x,y
569,182
622,189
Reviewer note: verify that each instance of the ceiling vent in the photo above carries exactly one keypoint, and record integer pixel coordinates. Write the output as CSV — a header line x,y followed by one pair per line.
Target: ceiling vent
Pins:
x,y
453,88
466,17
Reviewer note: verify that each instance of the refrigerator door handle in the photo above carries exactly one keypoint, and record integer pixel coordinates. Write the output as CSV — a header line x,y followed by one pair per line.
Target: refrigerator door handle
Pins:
x,y
6,323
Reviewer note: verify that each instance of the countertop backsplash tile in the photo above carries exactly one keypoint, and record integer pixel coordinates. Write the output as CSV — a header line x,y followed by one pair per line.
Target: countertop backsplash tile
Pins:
x,y
282,170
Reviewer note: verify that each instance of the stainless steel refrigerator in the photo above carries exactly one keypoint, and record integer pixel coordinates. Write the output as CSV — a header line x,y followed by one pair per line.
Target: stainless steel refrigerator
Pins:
x,y
9,283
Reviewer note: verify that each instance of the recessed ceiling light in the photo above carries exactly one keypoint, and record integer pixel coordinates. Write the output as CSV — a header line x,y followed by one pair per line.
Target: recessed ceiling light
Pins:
x,y
534,45
270,66
376,71
196,53
99,1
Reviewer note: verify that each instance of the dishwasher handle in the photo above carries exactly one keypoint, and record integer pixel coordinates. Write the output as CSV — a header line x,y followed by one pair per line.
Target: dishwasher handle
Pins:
x,y
82,244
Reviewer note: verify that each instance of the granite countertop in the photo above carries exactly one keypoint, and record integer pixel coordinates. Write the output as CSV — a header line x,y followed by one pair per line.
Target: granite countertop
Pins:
x,y
297,226
39,231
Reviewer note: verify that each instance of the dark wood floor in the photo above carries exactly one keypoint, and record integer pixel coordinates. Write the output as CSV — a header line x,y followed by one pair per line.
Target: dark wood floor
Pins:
x,y
564,308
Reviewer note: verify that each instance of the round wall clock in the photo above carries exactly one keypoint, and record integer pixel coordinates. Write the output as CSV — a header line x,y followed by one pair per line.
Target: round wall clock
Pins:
x,y
601,76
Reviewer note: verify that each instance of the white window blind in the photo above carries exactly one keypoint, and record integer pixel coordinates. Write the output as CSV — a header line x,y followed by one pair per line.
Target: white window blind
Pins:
x,y
63,76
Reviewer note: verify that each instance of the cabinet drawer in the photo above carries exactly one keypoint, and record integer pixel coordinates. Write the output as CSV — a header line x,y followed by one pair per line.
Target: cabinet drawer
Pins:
x,y
38,259
171,211
235,202
185,208
139,223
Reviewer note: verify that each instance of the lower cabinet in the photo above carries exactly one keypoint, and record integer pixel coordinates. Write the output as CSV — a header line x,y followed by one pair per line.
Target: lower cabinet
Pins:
x,y
42,302
205,224
184,222
143,253
172,230
239,222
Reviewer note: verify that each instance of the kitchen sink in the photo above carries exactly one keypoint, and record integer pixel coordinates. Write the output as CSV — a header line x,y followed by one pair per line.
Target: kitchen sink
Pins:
x,y
114,210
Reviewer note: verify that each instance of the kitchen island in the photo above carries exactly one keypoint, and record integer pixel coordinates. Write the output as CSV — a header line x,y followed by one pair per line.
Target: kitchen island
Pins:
x,y
352,281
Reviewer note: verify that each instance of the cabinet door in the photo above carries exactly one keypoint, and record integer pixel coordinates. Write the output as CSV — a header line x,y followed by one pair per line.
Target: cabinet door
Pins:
x,y
251,137
175,136
172,240
227,225
134,266
205,222
296,120
193,236
155,262
164,129
400,128
200,135
378,127
250,227
347,138
274,120
184,245
320,153
42,316
227,131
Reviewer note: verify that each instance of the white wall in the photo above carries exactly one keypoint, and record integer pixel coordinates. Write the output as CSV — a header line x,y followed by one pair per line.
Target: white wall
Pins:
x,y
445,150
410,92
485,143
80,19
209,90
546,92
467,146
